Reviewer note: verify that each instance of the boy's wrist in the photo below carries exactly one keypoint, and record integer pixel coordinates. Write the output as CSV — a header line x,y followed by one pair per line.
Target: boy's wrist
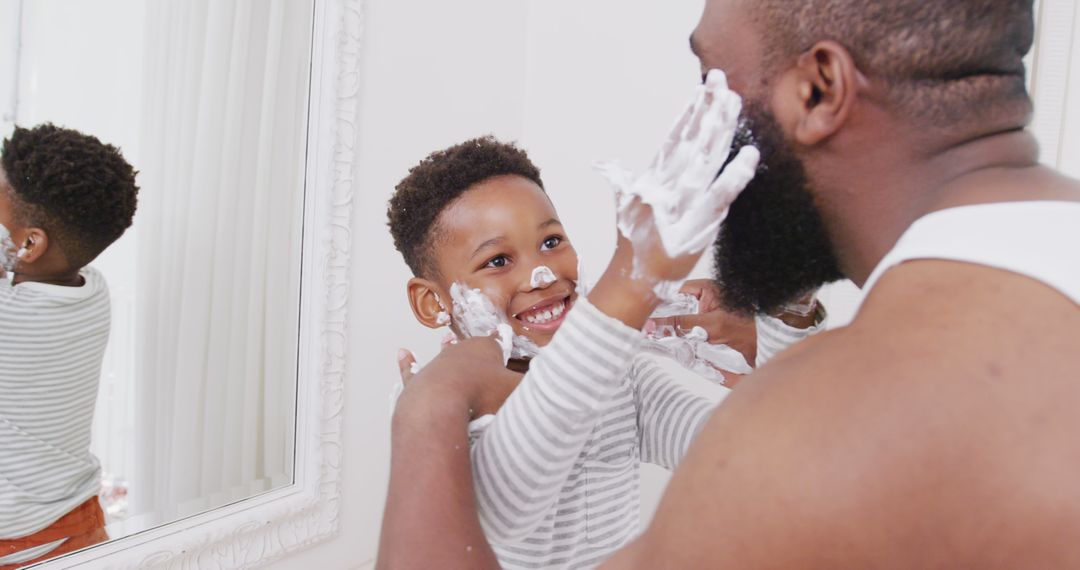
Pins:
x,y
622,297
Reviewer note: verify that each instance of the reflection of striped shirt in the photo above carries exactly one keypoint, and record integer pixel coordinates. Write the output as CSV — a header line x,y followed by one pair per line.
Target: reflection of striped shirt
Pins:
x,y
557,469
774,335
52,341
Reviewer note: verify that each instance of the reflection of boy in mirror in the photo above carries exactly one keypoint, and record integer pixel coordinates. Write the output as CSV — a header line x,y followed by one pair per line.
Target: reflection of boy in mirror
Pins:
x,y
64,197
476,215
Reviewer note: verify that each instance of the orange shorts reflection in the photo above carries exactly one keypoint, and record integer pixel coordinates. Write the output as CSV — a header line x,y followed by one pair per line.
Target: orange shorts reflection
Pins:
x,y
83,526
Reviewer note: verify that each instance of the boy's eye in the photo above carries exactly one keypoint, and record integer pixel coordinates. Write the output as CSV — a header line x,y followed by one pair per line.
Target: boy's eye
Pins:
x,y
497,261
551,243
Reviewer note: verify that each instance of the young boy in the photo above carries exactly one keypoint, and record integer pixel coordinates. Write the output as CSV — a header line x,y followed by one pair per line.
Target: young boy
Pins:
x,y
64,197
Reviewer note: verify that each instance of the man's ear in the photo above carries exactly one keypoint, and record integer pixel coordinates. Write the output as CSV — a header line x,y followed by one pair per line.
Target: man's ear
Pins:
x,y
33,244
821,90
425,298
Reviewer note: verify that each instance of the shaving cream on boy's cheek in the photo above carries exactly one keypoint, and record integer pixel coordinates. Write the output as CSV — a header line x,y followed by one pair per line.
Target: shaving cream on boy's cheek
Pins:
x,y
8,255
475,315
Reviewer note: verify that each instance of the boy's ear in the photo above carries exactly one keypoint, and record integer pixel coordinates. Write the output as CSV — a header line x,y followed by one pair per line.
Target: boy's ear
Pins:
x,y
424,298
33,245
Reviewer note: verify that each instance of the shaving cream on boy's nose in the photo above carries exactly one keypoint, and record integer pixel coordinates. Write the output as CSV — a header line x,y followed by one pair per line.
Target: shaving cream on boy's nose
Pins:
x,y
542,276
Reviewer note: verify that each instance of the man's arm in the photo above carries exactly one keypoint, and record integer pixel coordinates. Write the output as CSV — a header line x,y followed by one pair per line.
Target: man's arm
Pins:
x,y
430,518
761,484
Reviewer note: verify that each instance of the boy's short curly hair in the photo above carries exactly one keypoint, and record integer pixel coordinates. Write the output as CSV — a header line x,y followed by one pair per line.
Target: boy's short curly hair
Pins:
x,y
440,179
79,190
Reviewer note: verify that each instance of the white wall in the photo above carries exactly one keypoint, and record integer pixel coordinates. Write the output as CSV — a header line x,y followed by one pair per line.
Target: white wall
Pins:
x,y
9,62
573,82
1055,84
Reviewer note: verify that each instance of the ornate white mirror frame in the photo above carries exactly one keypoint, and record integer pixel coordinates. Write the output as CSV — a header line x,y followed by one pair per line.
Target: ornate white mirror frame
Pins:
x,y
268,526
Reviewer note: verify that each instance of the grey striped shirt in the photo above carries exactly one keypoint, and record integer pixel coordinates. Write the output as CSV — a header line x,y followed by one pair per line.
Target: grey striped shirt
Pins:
x,y
557,469
52,341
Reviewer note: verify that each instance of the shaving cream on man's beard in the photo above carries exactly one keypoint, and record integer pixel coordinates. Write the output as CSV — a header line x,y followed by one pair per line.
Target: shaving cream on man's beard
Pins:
x,y
8,257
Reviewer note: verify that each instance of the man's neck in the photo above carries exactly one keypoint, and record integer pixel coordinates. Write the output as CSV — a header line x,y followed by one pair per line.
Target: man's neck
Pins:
x,y
892,186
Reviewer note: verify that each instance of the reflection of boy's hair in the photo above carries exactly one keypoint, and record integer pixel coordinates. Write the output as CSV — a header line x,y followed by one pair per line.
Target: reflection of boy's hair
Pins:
x,y
79,190
437,181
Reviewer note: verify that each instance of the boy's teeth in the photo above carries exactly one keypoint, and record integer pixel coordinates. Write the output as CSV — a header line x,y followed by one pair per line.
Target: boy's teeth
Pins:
x,y
547,315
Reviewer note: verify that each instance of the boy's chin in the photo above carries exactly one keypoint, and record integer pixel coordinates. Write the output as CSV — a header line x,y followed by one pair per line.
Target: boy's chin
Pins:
x,y
538,338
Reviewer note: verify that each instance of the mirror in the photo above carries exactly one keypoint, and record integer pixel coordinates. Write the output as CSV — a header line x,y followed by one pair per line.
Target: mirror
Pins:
x,y
195,405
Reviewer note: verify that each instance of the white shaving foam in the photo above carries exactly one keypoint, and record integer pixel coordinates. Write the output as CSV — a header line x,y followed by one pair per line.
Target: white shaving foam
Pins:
x,y
542,276
678,304
474,312
688,201
524,347
476,315
414,367
692,349
7,251
668,291
443,318
505,337
582,287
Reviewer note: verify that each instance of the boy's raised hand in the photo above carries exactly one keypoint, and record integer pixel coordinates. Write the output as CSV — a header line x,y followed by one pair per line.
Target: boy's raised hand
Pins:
x,y
671,213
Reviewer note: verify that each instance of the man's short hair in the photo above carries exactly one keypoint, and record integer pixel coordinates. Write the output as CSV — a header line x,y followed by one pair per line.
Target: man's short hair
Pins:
x,y
78,189
438,181
942,60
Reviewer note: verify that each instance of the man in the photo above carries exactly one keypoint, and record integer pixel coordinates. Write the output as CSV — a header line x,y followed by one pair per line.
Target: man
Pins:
x,y
939,429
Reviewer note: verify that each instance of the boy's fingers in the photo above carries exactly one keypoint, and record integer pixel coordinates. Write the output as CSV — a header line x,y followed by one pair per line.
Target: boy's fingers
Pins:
x,y
694,287
706,292
406,361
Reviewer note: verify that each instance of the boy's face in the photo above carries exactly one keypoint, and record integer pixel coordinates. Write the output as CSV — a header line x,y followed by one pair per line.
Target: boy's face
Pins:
x,y
7,212
493,238
10,234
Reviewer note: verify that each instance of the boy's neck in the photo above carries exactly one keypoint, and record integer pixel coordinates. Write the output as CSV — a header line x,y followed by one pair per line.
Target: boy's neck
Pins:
x,y
68,279
518,365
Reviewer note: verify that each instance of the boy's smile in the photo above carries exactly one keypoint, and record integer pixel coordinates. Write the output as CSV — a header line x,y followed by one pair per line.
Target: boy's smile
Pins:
x,y
545,315
493,238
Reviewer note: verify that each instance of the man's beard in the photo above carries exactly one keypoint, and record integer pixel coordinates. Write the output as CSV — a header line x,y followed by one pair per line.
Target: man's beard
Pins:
x,y
773,247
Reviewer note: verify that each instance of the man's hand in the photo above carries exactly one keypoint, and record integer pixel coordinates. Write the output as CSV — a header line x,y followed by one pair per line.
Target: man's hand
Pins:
x,y
723,327
468,371
431,501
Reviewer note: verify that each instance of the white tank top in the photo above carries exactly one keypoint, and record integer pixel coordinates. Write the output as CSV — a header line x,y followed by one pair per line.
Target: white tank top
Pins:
x,y
1039,239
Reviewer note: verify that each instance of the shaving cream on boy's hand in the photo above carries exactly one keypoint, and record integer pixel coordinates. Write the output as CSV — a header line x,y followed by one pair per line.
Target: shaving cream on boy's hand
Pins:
x,y
687,200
